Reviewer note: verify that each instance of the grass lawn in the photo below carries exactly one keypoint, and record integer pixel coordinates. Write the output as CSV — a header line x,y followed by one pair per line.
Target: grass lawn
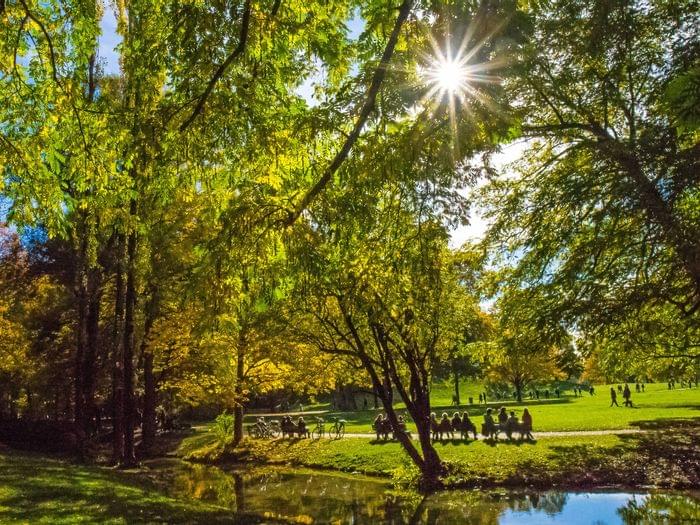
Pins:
x,y
667,456
35,489
560,414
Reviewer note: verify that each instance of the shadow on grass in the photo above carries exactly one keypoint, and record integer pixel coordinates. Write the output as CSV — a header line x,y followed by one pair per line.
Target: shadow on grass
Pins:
x,y
669,424
667,455
34,489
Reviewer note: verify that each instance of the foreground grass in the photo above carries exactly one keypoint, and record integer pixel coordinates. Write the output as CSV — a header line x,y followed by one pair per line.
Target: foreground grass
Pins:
x,y
666,457
567,413
35,489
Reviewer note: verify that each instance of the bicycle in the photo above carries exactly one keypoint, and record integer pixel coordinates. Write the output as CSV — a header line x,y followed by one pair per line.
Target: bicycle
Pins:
x,y
319,430
263,429
337,429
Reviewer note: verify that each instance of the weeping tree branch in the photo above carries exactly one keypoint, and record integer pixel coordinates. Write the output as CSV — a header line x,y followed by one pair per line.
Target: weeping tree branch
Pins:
x,y
367,108
239,50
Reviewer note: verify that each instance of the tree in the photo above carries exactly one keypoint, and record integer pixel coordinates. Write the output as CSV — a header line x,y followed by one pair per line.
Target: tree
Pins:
x,y
523,351
602,215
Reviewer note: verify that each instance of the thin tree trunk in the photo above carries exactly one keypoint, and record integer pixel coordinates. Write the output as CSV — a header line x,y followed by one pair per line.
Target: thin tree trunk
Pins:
x,y
455,371
129,457
117,369
91,350
150,392
149,404
81,293
238,409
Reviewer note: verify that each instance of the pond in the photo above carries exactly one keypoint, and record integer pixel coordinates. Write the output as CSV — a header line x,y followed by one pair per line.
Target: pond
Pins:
x,y
305,496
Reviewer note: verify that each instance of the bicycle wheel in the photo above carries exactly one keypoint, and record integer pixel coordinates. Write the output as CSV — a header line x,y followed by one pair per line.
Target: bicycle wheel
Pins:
x,y
337,431
317,432
274,431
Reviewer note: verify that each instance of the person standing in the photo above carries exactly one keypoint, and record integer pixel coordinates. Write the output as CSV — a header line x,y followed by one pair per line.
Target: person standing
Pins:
x,y
627,394
613,397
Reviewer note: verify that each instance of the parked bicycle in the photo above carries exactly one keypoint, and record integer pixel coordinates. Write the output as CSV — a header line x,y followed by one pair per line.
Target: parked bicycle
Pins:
x,y
337,429
319,430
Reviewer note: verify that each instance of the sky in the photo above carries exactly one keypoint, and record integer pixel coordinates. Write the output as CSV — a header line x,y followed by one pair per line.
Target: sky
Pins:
x,y
109,40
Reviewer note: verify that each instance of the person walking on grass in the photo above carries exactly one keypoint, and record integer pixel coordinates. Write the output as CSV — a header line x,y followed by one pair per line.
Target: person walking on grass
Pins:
x,y
627,394
613,397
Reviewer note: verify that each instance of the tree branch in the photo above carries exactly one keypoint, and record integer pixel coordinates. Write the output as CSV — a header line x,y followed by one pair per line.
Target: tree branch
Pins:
x,y
367,108
240,48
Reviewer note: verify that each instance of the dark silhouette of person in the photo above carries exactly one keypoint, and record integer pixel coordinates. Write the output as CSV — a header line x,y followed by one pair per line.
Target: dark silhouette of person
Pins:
x,y
511,424
488,423
301,427
456,422
467,425
502,417
613,397
591,390
527,424
642,387
627,394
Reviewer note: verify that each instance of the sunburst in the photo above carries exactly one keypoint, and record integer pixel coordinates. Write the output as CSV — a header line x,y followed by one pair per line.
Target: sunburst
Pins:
x,y
452,78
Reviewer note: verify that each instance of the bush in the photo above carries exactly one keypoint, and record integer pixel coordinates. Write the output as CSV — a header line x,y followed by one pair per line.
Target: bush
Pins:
x,y
223,428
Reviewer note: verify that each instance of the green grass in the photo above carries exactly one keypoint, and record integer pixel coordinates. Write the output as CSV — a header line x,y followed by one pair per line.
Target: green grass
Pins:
x,y
35,489
567,413
660,457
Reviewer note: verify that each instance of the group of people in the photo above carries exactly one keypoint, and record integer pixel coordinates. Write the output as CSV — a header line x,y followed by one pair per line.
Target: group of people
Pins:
x,y
460,423
290,428
382,427
626,394
447,426
509,424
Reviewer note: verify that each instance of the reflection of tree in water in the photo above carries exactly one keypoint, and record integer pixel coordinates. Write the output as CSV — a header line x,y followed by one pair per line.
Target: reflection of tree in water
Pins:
x,y
552,502
661,508
239,487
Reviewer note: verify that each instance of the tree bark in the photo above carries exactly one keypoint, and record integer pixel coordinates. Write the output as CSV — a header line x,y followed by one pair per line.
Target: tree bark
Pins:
x,y
117,369
150,395
129,457
94,296
238,409
81,294
149,404
455,371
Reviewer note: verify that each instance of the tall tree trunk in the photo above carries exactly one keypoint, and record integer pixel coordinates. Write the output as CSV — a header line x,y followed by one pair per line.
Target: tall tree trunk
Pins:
x,y
129,457
240,377
455,372
149,404
81,293
94,297
117,368
150,393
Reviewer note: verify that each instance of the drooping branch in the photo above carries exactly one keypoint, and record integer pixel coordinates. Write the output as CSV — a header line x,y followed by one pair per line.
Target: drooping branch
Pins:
x,y
238,51
367,108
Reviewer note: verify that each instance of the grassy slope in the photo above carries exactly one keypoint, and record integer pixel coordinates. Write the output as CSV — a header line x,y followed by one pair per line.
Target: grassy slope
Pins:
x,y
563,414
35,489
668,457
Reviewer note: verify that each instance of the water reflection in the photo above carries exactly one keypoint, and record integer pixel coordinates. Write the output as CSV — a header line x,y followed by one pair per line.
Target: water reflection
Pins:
x,y
312,497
